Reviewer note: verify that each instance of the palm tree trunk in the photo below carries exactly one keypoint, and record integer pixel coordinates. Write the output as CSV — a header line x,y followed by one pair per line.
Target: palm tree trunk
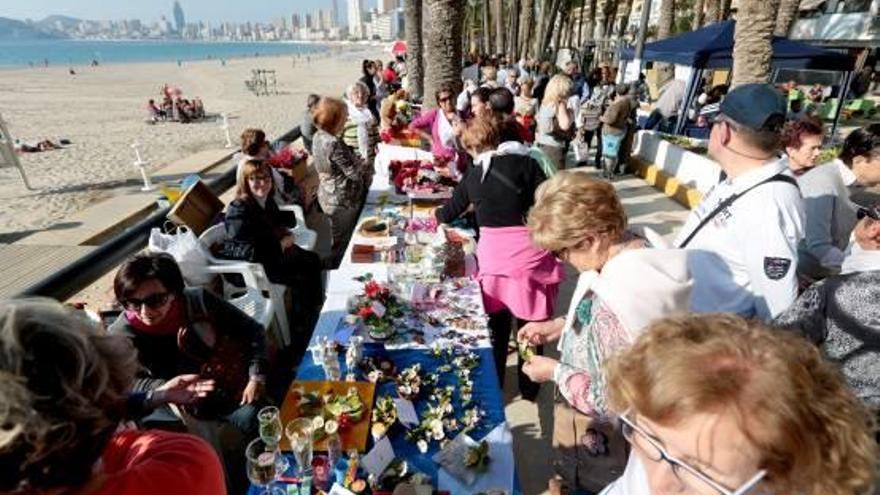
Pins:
x,y
667,19
698,14
788,11
526,21
550,28
713,11
415,71
443,46
624,20
581,11
498,17
725,9
752,48
591,20
513,38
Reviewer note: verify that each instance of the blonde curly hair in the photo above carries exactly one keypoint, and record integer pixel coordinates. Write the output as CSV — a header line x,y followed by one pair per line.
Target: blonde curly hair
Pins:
x,y
572,205
793,405
63,390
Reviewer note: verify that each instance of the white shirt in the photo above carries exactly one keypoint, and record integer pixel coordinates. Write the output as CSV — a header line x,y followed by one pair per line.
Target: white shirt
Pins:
x,y
744,260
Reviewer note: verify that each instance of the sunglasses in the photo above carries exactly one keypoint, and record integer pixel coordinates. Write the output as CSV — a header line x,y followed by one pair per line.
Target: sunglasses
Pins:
x,y
153,301
444,99
872,213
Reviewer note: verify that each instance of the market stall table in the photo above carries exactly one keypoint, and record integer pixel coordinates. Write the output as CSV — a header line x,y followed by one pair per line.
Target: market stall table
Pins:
x,y
427,339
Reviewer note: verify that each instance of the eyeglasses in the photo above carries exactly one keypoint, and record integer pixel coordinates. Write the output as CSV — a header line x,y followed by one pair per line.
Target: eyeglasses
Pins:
x,y
444,99
259,178
683,472
872,213
153,301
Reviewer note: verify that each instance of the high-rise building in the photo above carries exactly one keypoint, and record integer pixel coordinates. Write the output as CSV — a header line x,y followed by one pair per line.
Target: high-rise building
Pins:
x,y
309,23
294,22
179,19
355,23
334,14
386,5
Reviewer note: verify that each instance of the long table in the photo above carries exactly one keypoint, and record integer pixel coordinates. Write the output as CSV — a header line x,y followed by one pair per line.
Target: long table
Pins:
x,y
487,395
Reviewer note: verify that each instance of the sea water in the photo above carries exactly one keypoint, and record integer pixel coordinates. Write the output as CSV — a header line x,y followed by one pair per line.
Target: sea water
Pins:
x,y
83,52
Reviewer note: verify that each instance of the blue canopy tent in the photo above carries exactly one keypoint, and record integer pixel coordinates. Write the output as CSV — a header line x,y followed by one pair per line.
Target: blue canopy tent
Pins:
x,y
712,48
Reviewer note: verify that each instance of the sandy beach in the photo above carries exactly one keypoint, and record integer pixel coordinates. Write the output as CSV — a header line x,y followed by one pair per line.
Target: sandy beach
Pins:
x,y
101,111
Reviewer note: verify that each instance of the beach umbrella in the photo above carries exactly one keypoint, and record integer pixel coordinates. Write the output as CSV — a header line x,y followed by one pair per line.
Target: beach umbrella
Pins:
x,y
399,47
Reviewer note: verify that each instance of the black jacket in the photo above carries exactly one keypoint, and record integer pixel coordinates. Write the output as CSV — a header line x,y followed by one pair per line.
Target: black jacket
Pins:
x,y
253,233
503,199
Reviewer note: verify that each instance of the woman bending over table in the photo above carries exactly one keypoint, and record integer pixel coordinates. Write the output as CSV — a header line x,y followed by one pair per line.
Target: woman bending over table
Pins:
x,y
343,175
189,330
715,404
517,279
257,231
622,287
64,391
439,125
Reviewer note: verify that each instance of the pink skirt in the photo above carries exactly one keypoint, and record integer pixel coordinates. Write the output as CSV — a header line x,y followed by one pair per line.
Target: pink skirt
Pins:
x,y
517,276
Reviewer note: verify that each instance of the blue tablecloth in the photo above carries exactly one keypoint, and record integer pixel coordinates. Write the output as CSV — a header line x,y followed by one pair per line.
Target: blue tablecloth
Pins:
x,y
486,396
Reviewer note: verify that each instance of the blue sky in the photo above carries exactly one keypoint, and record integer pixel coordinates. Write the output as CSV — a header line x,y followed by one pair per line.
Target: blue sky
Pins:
x,y
150,10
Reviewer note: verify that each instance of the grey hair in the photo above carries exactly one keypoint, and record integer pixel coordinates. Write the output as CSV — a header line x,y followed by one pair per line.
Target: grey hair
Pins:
x,y
63,390
357,86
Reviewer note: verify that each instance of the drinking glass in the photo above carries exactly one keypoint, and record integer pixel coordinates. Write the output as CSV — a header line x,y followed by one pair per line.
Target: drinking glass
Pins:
x,y
270,432
261,466
299,433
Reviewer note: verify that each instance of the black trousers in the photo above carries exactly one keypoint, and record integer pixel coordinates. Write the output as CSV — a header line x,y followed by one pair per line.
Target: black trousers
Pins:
x,y
500,326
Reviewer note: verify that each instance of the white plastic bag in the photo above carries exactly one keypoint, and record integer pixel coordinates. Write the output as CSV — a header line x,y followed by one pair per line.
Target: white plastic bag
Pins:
x,y
185,248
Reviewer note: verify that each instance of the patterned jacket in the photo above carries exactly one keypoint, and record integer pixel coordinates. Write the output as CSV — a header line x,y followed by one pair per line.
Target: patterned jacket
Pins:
x,y
343,175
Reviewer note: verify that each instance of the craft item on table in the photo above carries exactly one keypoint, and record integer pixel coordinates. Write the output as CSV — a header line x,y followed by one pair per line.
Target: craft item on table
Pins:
x,y
373,227
378,369
384,417
419,178
363,253
399,472
354,353
378,308
335,408
379,458
426,224
409,382
330,363
464,458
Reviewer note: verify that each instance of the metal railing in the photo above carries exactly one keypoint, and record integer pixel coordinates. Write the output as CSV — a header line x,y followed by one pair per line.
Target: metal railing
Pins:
x,y
78,275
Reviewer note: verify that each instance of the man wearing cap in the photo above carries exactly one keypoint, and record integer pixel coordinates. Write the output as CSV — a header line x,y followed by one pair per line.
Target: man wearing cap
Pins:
x,y
744,235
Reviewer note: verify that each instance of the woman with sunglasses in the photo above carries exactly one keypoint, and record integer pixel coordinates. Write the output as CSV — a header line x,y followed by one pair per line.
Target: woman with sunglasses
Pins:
x,y
718,405
179,330
439,125
841,314
621,288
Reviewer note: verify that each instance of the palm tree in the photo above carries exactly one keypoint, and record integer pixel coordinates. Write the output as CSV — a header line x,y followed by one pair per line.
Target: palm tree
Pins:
x,y
623,17
713,11
667,19
752,49
415,71
788,10
443,45
526,23
498,17
698,14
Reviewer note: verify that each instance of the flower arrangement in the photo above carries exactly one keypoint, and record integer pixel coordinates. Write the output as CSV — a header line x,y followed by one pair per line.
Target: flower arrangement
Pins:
x,y
384,416
377,308
409,382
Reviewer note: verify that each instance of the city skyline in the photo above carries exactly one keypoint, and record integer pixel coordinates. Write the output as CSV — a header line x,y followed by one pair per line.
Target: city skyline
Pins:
x,y
196,10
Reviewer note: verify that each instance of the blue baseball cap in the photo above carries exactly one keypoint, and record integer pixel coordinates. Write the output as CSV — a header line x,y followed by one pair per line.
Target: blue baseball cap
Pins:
x,y
756,106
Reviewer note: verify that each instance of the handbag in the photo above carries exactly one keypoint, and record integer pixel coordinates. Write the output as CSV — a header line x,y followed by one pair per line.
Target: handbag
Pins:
x,y
220,357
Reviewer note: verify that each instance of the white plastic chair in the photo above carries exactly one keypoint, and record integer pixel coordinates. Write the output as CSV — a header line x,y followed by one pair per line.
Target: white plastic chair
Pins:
x,y
254,277
303,236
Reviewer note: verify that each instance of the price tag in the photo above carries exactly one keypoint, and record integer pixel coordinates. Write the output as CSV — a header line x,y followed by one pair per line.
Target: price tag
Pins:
x,y
379,458
406,412
378,308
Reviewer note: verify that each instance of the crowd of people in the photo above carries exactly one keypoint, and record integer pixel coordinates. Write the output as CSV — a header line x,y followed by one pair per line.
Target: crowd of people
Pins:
x,y
741,358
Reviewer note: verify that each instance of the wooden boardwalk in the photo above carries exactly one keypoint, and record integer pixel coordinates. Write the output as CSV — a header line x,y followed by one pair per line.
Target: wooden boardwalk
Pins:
x,y
21,266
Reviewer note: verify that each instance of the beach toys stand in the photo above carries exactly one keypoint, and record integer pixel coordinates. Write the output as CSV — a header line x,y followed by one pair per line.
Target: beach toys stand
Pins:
x,y
140,163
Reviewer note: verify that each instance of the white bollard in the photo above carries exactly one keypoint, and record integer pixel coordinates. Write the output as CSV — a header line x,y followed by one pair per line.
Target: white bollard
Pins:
x,y
225,128
140,163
